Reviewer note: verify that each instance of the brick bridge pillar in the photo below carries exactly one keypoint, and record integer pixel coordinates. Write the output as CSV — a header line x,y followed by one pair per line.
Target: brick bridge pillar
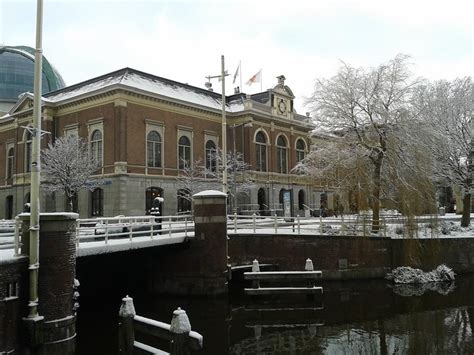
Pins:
x,y
56,332
198,267
210,237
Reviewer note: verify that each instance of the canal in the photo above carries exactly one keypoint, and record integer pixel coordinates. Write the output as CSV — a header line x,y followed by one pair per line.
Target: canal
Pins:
x,y
363,317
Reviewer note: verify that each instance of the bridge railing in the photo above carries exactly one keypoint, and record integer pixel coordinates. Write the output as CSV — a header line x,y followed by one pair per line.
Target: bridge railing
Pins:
x,y
10,234
122,227
354,225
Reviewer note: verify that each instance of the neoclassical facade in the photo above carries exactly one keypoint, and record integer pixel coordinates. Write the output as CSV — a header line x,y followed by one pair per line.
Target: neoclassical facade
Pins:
x,y
141,128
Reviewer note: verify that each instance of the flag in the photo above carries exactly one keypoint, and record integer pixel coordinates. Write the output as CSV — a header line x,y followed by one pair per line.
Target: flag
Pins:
x,y
236,73
257,78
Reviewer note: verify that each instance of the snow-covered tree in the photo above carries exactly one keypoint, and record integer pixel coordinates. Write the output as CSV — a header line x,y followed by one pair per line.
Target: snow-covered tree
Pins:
x,y
68,166
366,109
197,177
236,167
446,108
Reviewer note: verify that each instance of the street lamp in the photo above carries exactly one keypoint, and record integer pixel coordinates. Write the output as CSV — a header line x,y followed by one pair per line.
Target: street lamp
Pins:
x,y
224,123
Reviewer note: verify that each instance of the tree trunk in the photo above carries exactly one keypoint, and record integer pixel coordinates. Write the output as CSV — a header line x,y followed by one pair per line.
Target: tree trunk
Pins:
x,y
466,210
376,196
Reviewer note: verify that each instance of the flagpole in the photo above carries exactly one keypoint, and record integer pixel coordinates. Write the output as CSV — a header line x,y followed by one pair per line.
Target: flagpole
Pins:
x,y
261,80
240,67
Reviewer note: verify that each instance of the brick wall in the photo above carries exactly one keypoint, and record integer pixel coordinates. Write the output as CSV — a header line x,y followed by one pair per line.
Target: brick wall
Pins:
x,y
352,257
13,273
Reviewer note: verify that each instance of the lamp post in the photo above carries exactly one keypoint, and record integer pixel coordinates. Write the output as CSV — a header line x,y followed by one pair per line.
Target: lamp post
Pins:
x,y
224,123
35,169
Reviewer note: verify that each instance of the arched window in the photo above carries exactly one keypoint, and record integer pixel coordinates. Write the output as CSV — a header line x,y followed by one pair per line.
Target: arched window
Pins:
x,y
301,201
282,155
184,200
10,157
97,202
300,150
184,152
28,147
96,146
211,159
153,142
150,195
261,151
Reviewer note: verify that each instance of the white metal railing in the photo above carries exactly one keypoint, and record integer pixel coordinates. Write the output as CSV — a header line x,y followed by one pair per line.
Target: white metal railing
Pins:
x,y
352,225
132,228
9,234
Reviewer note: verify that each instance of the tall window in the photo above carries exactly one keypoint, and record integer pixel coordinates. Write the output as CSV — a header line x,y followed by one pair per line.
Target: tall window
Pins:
x,y
28,146
301,201
150,195
96,146
184,152
261,151
300,147
10,157
184,201
282,154
97,202
211,162
153,142
9,207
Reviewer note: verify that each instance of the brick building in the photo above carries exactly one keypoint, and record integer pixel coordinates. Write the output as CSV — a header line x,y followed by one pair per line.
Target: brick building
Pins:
x,y
140,127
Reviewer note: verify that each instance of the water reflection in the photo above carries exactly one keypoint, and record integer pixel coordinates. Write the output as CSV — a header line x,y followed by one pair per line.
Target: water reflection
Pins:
x,y
369,317
408,290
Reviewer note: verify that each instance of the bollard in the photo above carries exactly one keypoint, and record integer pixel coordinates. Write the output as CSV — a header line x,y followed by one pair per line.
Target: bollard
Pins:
x,y
309,267
179,333
255,268
254,222
126,331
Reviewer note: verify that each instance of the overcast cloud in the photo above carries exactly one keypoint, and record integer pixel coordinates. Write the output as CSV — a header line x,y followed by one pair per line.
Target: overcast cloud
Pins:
x,y
304,40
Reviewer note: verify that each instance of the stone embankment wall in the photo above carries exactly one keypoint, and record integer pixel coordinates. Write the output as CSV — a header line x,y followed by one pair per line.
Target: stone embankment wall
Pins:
x,y
352,257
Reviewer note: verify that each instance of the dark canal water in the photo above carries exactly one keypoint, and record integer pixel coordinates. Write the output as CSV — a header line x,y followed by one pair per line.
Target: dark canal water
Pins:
x,y
364,317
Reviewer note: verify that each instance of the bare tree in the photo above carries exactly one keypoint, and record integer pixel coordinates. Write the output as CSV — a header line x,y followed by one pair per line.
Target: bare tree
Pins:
x,y
191,179
366,107
236,167
67,166
446,110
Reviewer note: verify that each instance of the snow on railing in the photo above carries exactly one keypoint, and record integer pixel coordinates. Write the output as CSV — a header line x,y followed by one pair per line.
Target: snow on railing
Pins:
x,y
121,227
350,225
9,234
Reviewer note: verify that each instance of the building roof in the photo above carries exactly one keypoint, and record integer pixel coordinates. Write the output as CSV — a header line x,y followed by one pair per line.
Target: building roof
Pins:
x,y
135,80
17,73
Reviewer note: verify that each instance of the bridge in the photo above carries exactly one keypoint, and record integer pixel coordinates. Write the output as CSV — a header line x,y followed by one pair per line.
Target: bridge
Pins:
x,y
121,233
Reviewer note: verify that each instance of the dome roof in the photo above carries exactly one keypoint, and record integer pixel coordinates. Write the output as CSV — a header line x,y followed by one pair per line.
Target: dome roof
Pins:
x,y
17,72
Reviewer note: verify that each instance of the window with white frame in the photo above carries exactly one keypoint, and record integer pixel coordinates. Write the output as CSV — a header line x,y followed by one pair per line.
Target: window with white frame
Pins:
x,y
96,146
300,150
153,142
261,151
10,161
184,152
211,158
282,155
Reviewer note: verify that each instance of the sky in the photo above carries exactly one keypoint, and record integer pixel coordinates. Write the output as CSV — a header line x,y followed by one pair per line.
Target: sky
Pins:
x,y
183,40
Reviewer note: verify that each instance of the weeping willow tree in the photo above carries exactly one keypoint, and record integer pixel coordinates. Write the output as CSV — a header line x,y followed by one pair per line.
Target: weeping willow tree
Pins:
x,y
368,109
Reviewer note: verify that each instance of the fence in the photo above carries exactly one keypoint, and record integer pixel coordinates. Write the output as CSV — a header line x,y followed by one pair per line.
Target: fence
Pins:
x,y
179,334
353,225
132,228
9,234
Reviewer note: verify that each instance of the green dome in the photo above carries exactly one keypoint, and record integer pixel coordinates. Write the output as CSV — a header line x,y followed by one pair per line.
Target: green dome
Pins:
x,y
17,73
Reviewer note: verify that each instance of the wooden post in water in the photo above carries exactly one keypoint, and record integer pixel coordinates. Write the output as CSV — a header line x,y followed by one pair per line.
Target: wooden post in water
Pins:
x,y
309,267
255,268
179,333
126,331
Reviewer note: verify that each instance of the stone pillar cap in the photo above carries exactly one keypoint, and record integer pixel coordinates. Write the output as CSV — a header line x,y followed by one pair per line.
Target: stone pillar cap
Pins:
x,y
210,193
